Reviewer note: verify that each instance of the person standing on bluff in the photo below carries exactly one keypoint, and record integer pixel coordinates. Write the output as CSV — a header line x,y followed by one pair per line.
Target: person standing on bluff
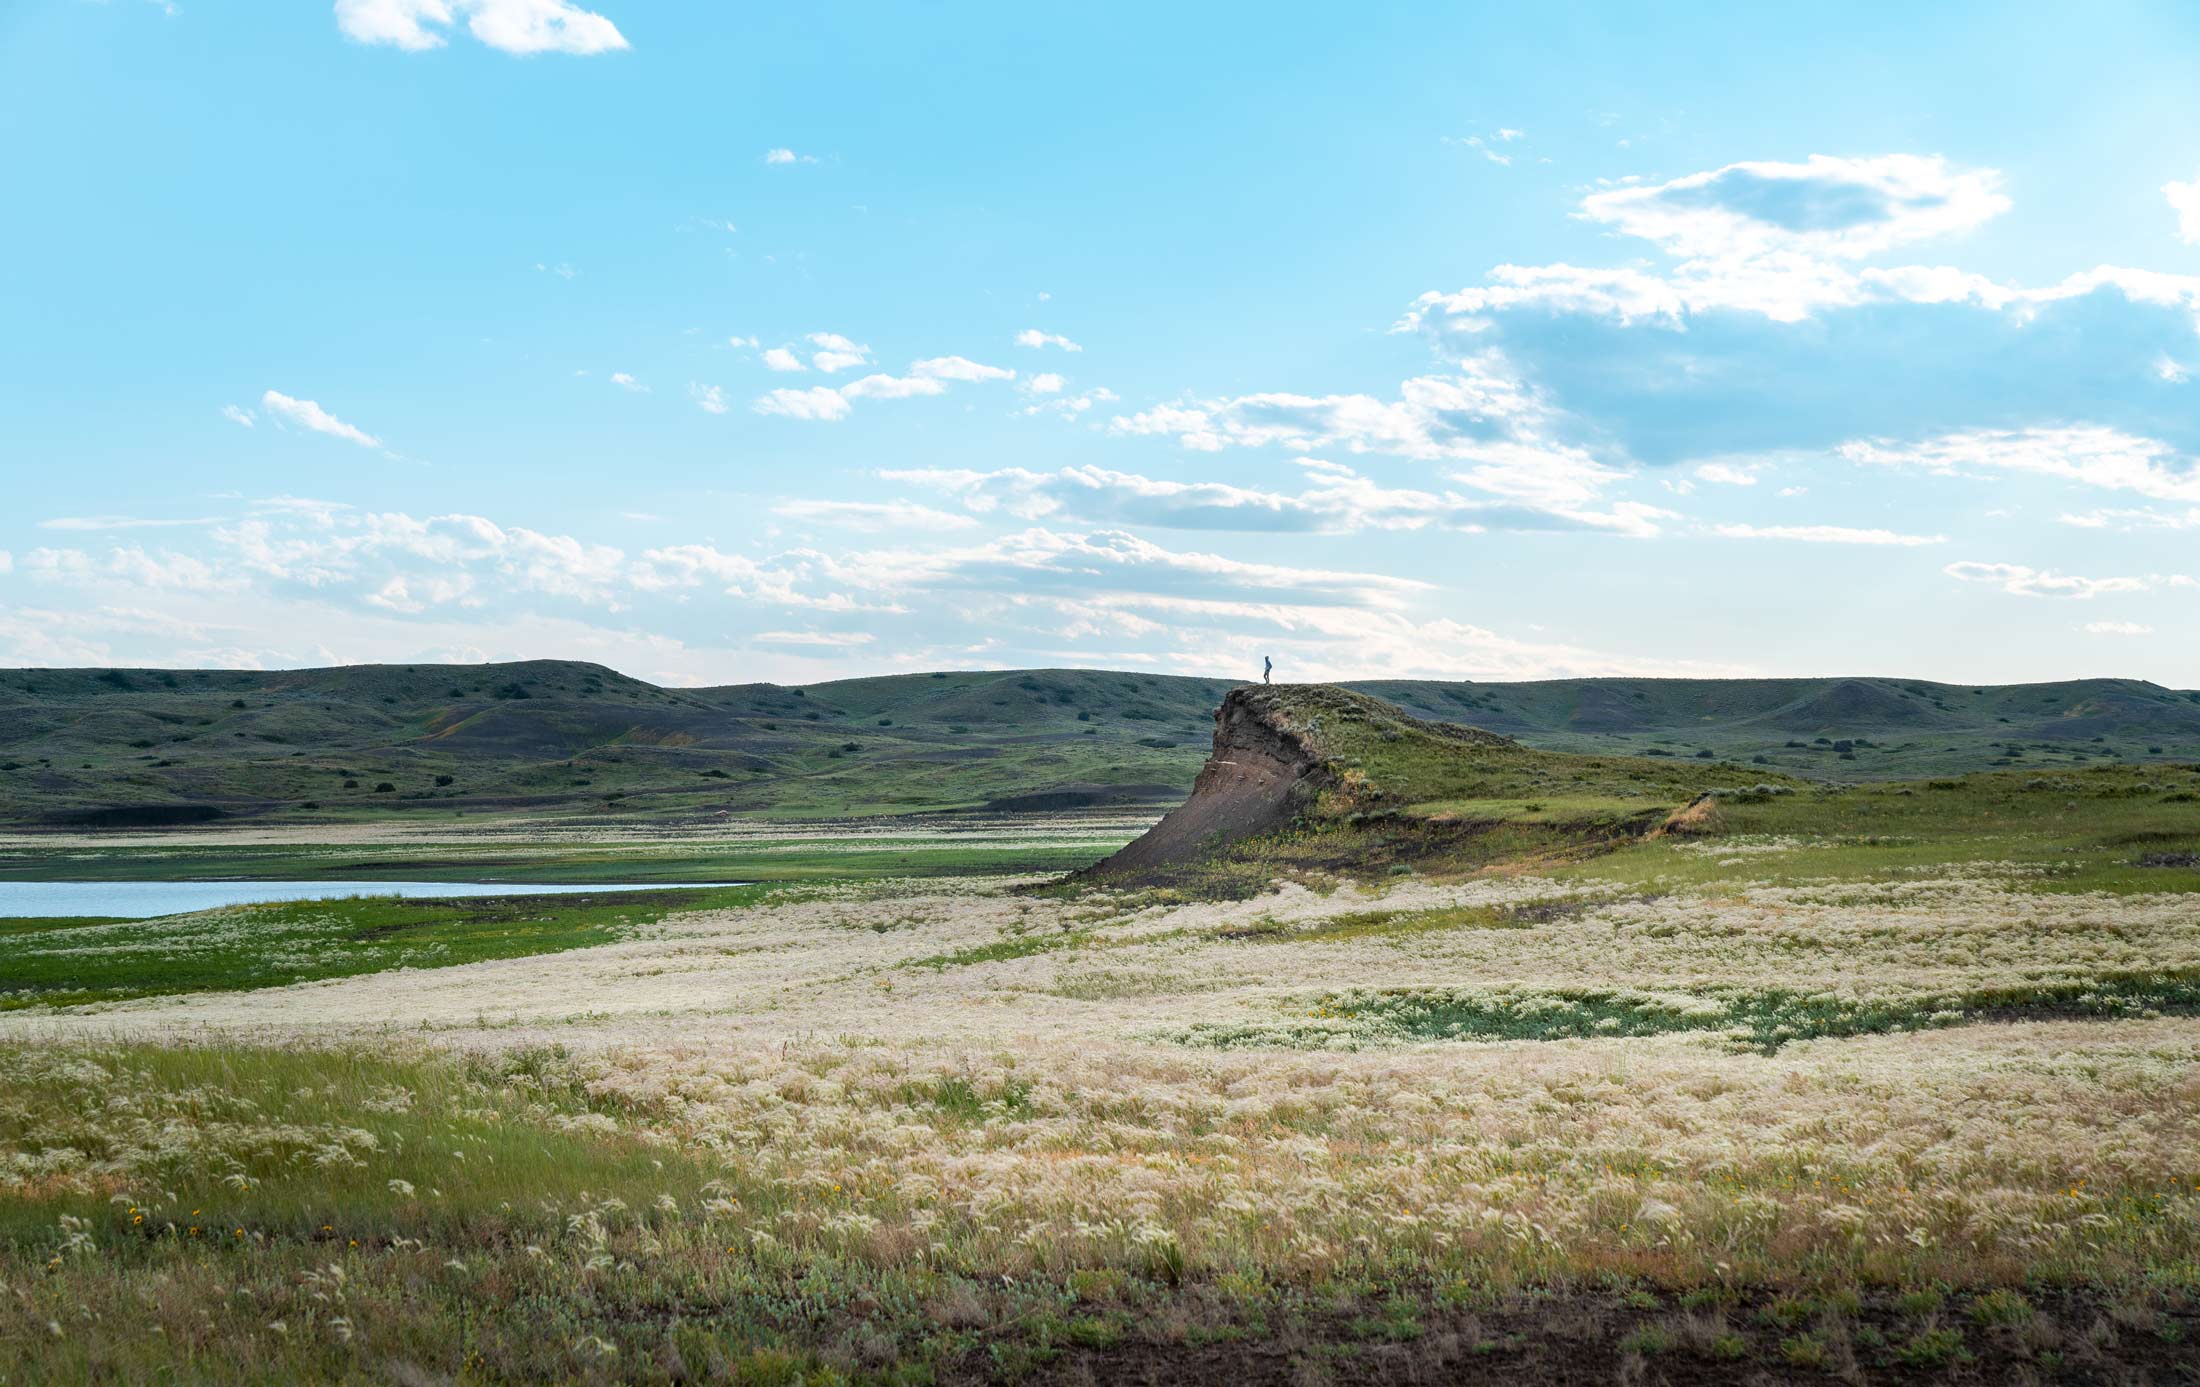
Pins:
x,y
1267,666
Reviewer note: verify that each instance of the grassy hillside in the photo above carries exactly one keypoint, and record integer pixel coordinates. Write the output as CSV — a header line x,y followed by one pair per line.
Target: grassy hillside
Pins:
x,y
553,736
1313,777
1836,729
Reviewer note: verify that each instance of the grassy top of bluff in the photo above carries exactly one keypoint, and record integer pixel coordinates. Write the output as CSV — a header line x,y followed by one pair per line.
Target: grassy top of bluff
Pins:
x,y
1317,776
551,736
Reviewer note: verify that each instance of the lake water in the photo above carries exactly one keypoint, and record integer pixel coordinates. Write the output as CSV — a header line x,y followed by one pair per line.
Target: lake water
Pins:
x,y
141,900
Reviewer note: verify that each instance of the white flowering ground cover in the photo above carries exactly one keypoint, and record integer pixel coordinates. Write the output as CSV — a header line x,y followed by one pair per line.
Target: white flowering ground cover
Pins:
x,y
1688,1114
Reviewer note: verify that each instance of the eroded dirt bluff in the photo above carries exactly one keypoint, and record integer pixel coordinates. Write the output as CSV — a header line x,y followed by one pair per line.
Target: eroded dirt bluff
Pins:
x,y
1267,766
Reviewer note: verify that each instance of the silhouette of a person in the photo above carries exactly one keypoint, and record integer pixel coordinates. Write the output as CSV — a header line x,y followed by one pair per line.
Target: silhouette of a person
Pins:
x,y
1266,667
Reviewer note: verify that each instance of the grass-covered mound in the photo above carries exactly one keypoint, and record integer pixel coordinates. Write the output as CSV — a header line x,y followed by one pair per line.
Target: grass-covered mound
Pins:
x,y
1316,777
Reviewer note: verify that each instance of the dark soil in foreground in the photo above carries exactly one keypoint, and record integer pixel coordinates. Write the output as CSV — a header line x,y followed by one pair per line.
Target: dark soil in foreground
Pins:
x,y
2039,1337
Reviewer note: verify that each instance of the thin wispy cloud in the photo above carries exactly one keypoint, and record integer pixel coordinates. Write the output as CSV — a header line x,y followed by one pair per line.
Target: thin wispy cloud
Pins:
x,y
308,414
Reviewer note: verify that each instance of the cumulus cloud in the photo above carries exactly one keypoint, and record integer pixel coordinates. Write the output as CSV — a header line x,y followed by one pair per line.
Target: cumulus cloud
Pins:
x,y
782,359
818,403
787,156
306,414
930,376
711,399
836,353
2093,455
2021,581
885,387
1045,389
1844,208
1498,430
958,368
522,27
2184,200
1825,534
627,382
238,415
132,566
1783,241
1032,337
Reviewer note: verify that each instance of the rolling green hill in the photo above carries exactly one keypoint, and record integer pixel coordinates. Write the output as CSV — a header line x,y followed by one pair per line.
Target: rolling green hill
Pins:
x,y
123,746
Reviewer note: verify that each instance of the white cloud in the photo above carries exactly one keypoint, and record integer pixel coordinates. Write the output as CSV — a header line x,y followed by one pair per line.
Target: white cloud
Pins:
x,y
131,566
836,353
837,640
2126,519
1066,406
2020,581
1726,474
710,399
1040,561
1485,417
787,156
512,26
1782,240
958,368
1435,417
780,359
1484,148
2117,628
1338,500
308,415
2184,200
1032,337
930,376
819,402
885,387
2090,454
873,516
1823,207
236,415
748,342
2170,371
1825,534
103,523
1045,383
7,562
627,382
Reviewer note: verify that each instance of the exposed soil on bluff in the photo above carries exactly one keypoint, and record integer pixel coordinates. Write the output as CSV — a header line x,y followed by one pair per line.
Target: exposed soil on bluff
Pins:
x,y
1265,770
1258,776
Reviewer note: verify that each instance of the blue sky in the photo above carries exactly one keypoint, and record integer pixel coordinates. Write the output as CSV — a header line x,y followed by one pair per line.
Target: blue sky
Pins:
x,y
724,342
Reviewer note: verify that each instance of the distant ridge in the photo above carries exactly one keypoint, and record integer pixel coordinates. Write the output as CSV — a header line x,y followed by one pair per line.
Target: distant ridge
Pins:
x,y
549,736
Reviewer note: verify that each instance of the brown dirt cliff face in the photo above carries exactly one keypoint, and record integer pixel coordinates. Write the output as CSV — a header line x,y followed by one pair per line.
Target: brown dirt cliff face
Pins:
x,y
1257,777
